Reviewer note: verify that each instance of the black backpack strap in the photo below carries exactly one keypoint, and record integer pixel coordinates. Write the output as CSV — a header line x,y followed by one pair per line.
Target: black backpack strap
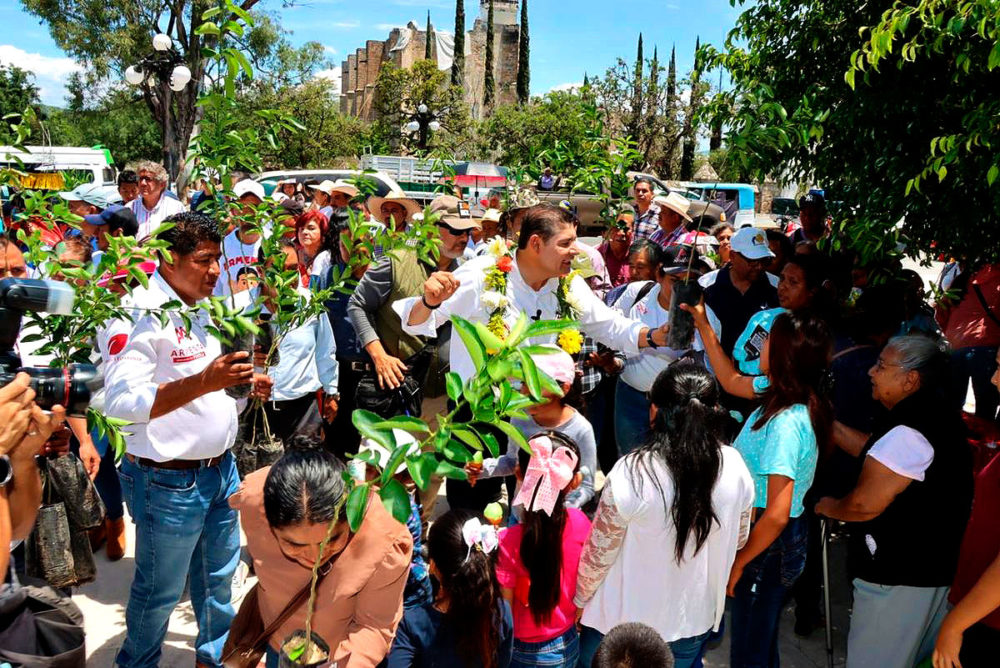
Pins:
x,y
642,293
986,307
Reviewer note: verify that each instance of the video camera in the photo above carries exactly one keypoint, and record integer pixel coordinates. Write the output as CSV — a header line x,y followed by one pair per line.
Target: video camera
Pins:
x,y
71,387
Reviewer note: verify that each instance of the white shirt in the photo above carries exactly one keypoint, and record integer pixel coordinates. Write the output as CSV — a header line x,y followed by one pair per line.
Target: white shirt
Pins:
x,y
642,368
150,355
904,451
150,219
235,256
645,583
306,361
596,319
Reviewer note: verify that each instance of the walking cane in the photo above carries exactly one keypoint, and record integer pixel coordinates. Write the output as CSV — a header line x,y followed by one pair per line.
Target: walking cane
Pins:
x,y
824,537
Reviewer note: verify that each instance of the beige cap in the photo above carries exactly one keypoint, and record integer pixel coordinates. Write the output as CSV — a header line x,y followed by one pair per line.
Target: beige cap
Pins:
x,y
454,212
339,186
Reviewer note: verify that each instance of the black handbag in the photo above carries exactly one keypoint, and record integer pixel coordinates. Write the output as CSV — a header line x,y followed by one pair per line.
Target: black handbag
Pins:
x,y
40,628
403,400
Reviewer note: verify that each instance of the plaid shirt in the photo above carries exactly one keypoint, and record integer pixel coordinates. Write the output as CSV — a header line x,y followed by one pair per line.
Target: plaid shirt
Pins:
x,y
646,224
591,375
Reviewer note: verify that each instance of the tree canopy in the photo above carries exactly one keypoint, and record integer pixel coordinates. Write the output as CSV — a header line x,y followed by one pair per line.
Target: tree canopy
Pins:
x,y
890,107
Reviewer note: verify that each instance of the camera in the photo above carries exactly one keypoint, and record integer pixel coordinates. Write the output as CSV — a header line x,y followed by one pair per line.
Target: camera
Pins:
x,y
71,387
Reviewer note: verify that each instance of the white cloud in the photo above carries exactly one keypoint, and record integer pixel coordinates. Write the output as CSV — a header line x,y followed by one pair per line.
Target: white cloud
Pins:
x,y
347,24
332,74
388,27
51,72
329,50
568,87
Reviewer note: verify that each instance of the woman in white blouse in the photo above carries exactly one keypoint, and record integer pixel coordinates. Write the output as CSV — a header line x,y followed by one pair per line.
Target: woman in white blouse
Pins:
x,y
681,501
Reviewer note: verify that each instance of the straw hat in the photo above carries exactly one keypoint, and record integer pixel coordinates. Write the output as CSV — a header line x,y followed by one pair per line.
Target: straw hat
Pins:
x,y
674,202
396,197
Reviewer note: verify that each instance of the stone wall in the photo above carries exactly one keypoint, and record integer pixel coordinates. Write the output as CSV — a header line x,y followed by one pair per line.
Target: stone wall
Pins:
x,y
361,69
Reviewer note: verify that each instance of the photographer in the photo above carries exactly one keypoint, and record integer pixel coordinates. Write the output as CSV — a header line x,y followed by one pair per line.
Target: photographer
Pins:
x,y
178,473
24,429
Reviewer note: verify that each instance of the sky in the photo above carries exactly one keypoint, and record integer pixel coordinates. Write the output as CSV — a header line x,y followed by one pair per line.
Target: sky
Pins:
x,y
568,37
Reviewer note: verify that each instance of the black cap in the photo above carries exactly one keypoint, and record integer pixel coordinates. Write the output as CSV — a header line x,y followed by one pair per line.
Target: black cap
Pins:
x,y
681,259
812,199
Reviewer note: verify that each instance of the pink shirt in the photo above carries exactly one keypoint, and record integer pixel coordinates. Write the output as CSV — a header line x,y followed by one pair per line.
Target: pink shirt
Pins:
x,y
513,575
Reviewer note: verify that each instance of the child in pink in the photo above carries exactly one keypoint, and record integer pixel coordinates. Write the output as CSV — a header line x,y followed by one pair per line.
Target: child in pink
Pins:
x,y
539,558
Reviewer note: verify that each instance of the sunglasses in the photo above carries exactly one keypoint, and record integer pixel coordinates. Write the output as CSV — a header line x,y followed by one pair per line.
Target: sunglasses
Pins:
x,y
453,231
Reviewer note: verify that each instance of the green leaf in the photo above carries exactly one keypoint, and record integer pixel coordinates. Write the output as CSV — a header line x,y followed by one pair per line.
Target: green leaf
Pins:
x,y
357,503
453,382
457,452
991,175
491,442
406,423
422,468
530,375
512,433
471,340
367,423
546,327
449,470
468,437
490,340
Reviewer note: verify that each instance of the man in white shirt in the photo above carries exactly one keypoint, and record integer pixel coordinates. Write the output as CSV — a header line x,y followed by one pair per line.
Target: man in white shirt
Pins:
x,y
546,247
178,473
152,206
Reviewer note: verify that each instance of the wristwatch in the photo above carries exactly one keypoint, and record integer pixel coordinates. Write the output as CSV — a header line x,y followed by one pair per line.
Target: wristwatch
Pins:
x,y
649,338
6,471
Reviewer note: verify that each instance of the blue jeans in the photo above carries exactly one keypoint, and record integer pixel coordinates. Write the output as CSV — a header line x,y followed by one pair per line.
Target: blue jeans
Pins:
x,y
687,652
975,363
760,597
108,486
270,658
560,652
631,418
184,528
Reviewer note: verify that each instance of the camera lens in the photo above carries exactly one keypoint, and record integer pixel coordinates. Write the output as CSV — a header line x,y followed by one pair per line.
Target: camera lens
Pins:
x,y
71,387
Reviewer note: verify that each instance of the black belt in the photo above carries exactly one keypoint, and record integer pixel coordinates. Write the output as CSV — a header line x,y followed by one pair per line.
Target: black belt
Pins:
x,y
176,464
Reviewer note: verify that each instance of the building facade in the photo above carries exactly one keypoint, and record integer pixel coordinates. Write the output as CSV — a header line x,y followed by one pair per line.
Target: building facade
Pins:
x,y
405,46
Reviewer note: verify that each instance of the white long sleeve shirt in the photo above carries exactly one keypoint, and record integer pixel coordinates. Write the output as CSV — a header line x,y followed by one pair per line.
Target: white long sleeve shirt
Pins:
x,y
307,361
150,219
596,319
150,355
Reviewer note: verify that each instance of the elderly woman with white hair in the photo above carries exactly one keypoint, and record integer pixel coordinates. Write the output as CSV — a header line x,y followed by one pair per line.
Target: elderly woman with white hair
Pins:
x,y
908,511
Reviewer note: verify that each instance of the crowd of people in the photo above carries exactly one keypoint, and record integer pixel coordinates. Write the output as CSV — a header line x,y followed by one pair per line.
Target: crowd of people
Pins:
x,y
730,398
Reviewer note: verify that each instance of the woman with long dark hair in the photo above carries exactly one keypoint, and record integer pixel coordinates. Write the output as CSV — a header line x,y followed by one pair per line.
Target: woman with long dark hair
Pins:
x,y
539,557
469,623
780,443
681,501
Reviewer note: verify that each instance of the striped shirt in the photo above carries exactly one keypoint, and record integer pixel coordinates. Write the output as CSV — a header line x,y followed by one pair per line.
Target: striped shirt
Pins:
x,y
150,219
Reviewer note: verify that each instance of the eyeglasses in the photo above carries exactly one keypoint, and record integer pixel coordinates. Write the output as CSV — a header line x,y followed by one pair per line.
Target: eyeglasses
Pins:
x,y
882,365
146,178
453,231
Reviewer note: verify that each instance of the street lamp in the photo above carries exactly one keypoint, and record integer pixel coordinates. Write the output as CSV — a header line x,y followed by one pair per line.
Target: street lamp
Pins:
x,y
424,122
166,67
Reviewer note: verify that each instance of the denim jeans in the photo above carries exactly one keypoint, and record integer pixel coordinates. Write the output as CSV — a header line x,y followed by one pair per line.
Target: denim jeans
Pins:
x,y
631,418
108,486
561,652
760,597
184,529
271,658
687,652
975,363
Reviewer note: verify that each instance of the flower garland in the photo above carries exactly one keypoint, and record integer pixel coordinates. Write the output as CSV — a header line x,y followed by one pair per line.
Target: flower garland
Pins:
x,y
495,298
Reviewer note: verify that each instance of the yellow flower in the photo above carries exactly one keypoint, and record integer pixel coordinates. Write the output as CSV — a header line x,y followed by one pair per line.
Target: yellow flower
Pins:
x,y
570,340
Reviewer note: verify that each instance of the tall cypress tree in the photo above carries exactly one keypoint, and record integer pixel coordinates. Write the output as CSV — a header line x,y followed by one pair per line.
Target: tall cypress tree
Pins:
x,y
489,85
458,64
635,118
690,127
672,77
430,37
523,58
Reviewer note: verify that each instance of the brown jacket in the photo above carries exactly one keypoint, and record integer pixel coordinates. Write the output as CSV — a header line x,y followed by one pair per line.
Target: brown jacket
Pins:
x,y
360,601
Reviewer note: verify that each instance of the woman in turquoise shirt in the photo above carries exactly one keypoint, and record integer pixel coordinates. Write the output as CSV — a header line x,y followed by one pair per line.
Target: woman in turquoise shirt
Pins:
x,y
780,444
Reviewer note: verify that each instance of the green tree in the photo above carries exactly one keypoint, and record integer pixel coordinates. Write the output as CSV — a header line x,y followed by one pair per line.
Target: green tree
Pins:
x,y
489,85
691,119
524,58
17,92
428,44
458,64
890,107
633,126
547,127
398,93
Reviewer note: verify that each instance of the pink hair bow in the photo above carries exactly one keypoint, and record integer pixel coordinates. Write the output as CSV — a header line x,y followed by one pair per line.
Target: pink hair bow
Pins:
x,y
548,474
480,536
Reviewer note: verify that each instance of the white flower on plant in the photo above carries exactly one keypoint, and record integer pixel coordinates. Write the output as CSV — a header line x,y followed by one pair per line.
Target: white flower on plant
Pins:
x,y
497,247
493,300
572,300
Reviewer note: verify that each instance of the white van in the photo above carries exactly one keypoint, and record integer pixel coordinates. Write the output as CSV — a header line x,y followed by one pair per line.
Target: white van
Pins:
x,y
97,163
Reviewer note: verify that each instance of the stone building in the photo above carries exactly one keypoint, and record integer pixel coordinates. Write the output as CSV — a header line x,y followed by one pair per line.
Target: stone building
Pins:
x,y
405,46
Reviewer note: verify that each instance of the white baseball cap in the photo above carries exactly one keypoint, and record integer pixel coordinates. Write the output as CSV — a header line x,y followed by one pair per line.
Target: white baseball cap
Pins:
x,y
751,243
249,187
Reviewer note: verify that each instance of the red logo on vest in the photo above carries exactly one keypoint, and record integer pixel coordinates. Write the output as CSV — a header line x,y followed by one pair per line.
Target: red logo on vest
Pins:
x,y
117,343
